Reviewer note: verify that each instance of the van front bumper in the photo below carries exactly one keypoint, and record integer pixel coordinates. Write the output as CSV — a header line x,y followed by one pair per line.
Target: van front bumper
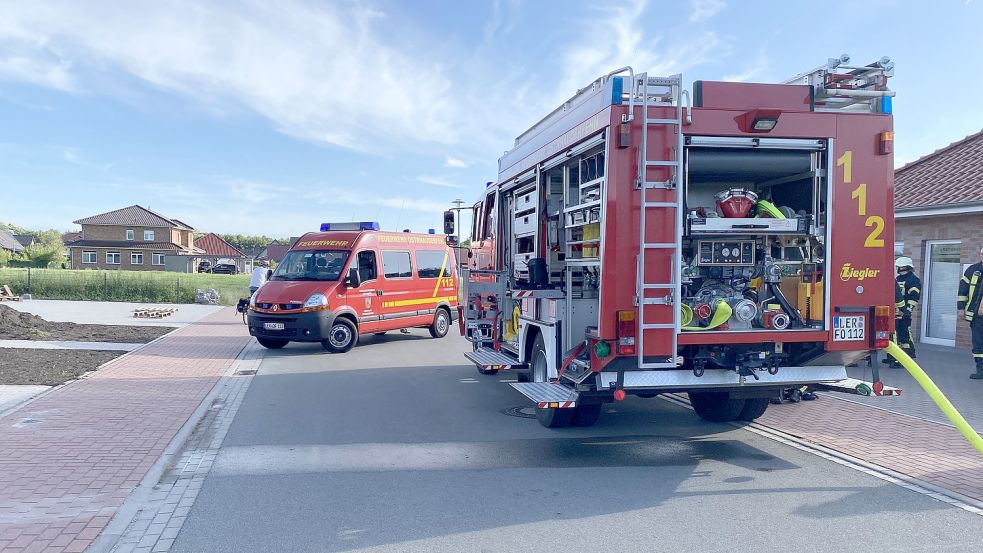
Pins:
x,y
310,326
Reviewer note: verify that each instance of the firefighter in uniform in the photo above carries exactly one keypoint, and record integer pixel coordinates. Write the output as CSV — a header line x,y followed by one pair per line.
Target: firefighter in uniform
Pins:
x,y
970,293
910,287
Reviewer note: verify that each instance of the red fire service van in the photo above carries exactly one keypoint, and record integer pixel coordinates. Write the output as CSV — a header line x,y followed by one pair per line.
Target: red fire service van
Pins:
x,y
352,279
639,243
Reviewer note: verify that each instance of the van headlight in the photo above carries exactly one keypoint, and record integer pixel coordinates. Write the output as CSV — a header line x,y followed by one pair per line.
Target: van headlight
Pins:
x,y
315,301
252,300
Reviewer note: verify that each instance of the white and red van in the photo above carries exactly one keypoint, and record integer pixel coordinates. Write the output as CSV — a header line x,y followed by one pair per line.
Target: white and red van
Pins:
x,y
351,279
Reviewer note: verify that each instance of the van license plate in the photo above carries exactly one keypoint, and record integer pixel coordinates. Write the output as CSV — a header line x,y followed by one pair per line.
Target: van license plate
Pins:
x,y
849,328
273,326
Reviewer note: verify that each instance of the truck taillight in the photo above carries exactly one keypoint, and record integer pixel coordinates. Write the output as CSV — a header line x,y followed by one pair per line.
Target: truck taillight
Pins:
x,y
882,326
626,332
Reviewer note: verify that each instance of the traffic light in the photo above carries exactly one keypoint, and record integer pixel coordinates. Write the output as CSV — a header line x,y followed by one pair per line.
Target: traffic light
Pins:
x,y
449,222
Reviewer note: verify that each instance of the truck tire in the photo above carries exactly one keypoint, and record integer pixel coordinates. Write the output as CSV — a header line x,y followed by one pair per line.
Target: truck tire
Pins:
x,y
587,415
754,408
441,323
272,343
716,406
342,337
548,417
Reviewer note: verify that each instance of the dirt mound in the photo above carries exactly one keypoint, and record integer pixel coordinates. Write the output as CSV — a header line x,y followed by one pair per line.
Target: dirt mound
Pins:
x,y
17,325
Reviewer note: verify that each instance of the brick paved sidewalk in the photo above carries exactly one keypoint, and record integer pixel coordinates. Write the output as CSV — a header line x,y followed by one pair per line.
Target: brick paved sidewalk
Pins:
x,y
929,451
69,459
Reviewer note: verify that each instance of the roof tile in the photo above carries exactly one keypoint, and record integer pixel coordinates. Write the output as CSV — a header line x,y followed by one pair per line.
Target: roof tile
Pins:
x,y
134,215
950,175
213,244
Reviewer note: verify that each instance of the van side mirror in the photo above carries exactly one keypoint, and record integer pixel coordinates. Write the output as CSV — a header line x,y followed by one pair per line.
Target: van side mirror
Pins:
x,y
352,280
448,222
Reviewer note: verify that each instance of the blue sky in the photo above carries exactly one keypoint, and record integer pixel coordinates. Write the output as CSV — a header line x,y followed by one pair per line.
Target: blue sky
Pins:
x,y
271,117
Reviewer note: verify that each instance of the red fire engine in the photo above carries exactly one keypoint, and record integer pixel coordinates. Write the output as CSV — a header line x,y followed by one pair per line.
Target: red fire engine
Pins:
x,y
732,246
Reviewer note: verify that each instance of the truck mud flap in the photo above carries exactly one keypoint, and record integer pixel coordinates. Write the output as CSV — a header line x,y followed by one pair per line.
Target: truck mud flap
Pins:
x,y
547,395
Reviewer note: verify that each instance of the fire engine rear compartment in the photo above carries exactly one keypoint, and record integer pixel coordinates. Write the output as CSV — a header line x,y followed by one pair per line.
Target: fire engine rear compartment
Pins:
x,y
753,248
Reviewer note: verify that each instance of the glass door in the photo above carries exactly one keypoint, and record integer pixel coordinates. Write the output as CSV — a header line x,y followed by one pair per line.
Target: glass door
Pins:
x,y
939,290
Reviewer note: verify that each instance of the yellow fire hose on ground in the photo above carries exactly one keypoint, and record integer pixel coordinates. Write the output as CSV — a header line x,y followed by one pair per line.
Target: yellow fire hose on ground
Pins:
x,y
937,396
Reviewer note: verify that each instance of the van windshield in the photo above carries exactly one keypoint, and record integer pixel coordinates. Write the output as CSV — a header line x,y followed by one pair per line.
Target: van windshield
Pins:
x,y
311,265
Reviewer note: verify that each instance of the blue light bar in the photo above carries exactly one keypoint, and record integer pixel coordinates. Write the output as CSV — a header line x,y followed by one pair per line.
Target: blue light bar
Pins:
x,y
431,231
361,225
887,105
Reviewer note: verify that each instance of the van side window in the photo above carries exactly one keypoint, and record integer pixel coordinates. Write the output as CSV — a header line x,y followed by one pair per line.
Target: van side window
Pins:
x,y
367,266
396,264
433,264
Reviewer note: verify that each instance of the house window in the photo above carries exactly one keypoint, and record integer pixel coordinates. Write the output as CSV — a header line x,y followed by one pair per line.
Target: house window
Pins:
x,y
898,249
112,258
88,257
129,234
396,264
136,258
148,236
158,258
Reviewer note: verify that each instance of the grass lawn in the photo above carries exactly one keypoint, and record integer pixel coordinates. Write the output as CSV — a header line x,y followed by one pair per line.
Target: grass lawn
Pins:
x,y
136,286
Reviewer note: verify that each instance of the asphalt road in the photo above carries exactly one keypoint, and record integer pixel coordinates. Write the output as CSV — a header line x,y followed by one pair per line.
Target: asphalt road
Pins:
x,y
400,445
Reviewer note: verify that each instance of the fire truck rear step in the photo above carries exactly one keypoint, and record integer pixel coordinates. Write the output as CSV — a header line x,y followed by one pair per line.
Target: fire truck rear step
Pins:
x,y
547,394
857,387
491,359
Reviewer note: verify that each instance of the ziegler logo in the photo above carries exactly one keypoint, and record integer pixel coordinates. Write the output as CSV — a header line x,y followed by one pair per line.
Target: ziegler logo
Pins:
x,y
848,273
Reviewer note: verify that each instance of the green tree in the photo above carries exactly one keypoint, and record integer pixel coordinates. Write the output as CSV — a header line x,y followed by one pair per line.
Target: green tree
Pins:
x,y
247,244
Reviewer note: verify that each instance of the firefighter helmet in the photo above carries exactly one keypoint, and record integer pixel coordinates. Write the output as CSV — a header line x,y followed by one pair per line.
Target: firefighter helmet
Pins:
x,y
904,262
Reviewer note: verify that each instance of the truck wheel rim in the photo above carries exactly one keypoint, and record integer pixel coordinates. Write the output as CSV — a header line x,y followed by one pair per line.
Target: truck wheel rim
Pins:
x,y
340,336
441,323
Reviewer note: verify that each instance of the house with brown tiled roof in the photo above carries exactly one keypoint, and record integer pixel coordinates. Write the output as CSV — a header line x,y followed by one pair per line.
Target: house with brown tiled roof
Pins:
x,y
276,251
215,250
134,238
938,223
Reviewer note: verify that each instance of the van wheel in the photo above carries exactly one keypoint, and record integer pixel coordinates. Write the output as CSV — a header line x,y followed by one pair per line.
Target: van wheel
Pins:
x,y
441,323
342,337
754,408
549,417
272,343
716,406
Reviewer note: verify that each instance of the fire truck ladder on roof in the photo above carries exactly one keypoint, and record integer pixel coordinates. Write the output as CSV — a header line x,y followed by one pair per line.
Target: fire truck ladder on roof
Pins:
x,y
659,91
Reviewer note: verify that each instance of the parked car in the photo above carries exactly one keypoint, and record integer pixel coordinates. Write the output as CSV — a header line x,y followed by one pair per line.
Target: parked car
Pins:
x,y
224,269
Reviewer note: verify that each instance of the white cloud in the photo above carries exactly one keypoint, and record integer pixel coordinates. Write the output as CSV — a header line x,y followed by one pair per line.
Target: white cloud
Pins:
x,y
756,69
40,70
701,10
631,42
334,195
324,72
437,181
455,162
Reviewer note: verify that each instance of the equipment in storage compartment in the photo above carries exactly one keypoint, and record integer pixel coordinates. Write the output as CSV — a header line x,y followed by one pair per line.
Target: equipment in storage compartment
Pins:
x,y
754,246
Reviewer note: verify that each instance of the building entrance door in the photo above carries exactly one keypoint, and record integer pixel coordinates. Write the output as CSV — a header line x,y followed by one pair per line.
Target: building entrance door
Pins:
x,y
943,269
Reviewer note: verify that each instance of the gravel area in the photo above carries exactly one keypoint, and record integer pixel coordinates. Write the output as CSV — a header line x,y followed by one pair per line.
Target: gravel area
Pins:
x,y
49,367
17,325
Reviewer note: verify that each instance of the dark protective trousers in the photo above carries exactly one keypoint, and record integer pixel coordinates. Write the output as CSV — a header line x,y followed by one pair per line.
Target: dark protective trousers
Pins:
x,y
976,326
903,336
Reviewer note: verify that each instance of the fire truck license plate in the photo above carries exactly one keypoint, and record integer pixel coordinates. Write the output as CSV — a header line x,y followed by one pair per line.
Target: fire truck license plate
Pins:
x,y
849,328
273,326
